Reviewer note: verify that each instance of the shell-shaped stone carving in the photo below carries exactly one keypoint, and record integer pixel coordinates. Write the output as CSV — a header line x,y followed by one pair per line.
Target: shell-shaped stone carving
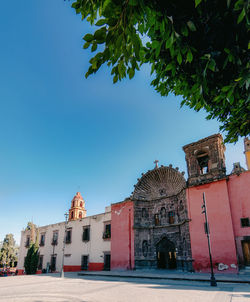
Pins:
x,y
159,183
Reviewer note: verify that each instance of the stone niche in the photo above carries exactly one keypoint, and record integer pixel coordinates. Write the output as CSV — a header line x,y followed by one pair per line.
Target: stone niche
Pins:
x,y
161,224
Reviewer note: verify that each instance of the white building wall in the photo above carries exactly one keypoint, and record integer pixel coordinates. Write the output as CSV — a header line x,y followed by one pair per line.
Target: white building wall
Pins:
x,y
94,248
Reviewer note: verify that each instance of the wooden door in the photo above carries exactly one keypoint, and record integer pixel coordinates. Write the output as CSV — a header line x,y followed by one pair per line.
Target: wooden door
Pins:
x,y
246,251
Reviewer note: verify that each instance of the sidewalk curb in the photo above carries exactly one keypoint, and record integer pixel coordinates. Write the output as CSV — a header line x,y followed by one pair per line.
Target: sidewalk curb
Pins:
x,y
162,277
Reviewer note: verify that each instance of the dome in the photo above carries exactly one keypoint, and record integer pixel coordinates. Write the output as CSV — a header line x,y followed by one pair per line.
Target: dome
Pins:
x,y
77,196
159,183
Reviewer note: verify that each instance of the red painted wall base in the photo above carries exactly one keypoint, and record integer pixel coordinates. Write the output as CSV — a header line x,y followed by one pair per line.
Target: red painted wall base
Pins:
x,y
77,268
96,266
72,268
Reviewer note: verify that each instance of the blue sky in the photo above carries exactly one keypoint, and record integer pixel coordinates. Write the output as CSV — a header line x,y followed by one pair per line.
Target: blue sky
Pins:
x,y
61,133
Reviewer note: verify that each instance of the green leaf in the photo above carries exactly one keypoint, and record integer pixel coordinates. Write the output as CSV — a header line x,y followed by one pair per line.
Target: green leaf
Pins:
x,y
212,65
158,50
86,45
184,31
189,56
155,44
131,73
170,41
88,37
169,66
136,43
115,79
197,2
191,25
179,58
226,88
241,16
94,47
100,22
100,34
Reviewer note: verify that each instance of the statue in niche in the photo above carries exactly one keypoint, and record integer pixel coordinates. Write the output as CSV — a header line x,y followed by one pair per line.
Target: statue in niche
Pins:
x,y
163,213
181,206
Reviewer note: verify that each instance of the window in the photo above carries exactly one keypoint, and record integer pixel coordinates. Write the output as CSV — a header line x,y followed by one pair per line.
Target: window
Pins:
x,y
85,234
80,215
203,158
81,204
244,222
157,220
27,243
40,262
107,231
171,217
72,215
68,236
84,262
42,240
55,238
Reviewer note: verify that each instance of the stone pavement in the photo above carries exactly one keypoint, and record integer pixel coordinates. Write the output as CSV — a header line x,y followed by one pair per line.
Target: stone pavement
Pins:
x,y
75,288
171,275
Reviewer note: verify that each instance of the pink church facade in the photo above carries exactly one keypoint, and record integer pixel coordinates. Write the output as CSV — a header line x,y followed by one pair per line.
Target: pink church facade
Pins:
x,y
228,210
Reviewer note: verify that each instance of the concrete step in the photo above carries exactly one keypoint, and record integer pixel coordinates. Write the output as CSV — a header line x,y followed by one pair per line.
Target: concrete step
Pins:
x,y
245,271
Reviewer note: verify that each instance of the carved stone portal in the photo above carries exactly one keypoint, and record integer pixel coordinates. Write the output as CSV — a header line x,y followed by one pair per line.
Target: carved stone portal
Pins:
x,y
161,222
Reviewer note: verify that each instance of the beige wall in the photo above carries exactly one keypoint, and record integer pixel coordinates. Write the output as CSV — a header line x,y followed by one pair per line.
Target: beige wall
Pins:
x,y
94,248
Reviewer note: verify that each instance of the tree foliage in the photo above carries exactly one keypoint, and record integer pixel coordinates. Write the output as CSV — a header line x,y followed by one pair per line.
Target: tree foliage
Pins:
x,y
32,257
8,252
198,49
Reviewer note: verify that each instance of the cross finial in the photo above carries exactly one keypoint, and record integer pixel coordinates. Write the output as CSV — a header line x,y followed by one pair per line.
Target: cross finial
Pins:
x,y
156,163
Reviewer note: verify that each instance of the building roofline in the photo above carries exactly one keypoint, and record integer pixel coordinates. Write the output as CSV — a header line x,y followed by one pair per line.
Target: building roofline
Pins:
x,y
218,135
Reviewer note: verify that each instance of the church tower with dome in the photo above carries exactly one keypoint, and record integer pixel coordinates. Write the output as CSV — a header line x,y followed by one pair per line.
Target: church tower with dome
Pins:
x,y
77,210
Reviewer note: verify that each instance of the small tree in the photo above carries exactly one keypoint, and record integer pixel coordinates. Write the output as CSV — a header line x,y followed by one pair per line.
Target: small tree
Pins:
x,y
8,252
31,260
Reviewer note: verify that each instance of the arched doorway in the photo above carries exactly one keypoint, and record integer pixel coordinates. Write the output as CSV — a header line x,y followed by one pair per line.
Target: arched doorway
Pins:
x,y
166,254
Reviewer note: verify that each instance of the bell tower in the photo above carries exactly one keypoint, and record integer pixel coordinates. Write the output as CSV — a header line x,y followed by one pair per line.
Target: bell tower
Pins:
x,y
247,152
205,160
77,210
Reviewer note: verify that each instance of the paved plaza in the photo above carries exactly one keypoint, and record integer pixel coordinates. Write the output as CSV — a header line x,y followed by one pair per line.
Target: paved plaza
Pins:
x,y
51,288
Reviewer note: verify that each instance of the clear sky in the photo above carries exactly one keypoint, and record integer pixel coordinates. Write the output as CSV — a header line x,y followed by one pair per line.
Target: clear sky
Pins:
x,y
61,133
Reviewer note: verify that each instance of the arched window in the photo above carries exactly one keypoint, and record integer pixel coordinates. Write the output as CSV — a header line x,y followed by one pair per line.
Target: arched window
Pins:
x,y
72,215
80,215
81,204
73,204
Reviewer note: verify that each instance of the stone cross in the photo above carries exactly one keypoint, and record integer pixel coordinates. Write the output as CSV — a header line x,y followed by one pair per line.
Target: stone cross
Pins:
x,y
156,163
